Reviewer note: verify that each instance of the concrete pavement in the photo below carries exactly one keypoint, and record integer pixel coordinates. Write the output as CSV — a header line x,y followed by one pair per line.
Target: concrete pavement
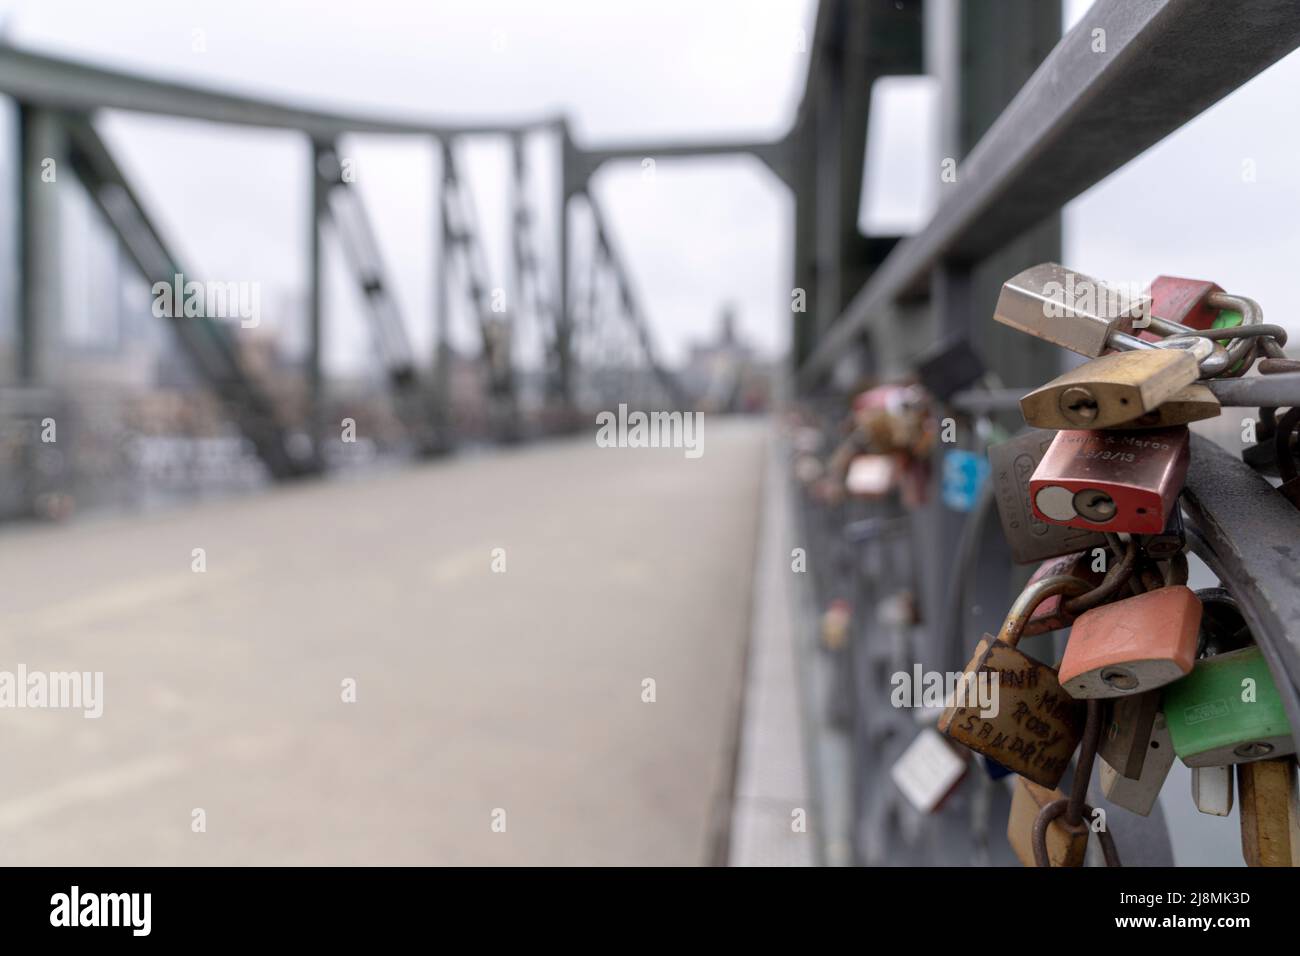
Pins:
x,y
475,691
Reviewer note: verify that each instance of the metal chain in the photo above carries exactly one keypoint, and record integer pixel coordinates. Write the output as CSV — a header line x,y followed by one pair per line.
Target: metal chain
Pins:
x,y
1115,578
1075,806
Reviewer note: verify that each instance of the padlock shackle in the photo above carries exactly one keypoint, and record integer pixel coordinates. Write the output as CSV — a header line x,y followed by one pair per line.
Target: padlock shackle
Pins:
x,y
1031,597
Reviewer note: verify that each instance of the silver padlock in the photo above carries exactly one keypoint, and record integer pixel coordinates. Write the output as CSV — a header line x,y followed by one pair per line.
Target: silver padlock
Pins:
x,y
1140,795
1072,310
928,771
1212,790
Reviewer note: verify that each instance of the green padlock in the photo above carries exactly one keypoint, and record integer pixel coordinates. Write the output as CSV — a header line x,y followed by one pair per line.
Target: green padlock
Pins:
x,y
1226,711
1228,319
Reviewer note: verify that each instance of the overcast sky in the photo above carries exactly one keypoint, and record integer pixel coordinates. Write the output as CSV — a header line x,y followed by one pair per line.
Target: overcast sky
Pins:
x,y
700,233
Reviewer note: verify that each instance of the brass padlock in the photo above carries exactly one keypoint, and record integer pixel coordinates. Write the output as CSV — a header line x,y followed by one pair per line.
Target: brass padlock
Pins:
x,y
1034,726
1191,404
1270,812
1111,390
1066,844
835,624
1126,732
1132,646
1012,463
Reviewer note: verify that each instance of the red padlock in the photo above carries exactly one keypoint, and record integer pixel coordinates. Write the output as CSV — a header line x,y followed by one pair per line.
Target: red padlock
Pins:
x,y
1049,615
1175,299
1122,481
1132,646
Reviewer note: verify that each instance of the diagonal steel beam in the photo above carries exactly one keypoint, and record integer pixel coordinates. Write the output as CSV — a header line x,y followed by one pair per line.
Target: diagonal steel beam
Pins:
x,y
208,343
1083,114
631,305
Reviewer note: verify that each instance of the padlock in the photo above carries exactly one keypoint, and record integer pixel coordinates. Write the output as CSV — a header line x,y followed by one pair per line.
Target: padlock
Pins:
x,y
1223,629
1012,464
1227,711
1066,844
929,771
1191,404
1068,308
1270,812
1212,790
1033,726
1126,732
835,624
1111,481
949,366
1180,300
1132,646
1051,615
1140,795
1111,390
963,477
870,476
1170,540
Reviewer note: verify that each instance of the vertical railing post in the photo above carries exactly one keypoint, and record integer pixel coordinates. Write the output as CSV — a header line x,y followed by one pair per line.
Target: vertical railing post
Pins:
x,y
315,306
42,161
563,318
441,391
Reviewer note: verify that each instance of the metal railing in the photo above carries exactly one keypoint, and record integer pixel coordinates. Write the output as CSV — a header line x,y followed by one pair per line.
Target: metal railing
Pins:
x,y
1127,75
58,101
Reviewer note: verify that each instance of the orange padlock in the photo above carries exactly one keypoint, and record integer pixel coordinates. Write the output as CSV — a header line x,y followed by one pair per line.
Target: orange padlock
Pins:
x,y
1133,645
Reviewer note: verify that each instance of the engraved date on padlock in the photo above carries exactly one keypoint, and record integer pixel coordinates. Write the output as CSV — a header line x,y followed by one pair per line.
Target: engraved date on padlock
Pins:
x,y
1111,481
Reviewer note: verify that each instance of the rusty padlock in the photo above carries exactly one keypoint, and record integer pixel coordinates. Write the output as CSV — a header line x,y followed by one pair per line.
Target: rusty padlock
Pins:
x,y
1066,844
1132,646
1051,615
1033,726
1111,481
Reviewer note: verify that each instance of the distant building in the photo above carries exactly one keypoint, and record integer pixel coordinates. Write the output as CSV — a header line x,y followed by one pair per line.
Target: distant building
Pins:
x,y
727,375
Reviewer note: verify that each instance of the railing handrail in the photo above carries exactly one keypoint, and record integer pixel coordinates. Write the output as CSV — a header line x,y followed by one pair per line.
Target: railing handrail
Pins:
x,y
1080,116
